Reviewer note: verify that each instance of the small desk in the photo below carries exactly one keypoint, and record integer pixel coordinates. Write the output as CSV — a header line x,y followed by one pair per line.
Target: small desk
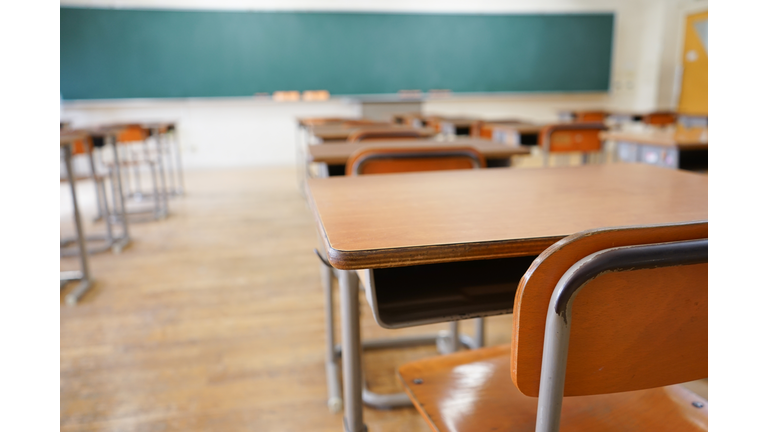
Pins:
x,y
66,139
335,156
678,149
458,126
512,132
441,246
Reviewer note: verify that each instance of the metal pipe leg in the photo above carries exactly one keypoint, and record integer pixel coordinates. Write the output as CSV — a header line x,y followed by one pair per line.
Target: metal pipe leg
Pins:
x,y
85,281
158,205
351,352
100,203
331,368
479,332
178,161
101,198
117,191
448,342
166,146
135,161
160,166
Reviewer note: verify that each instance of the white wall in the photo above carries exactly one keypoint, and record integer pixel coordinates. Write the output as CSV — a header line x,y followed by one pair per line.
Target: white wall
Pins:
x,y
244,131
218,132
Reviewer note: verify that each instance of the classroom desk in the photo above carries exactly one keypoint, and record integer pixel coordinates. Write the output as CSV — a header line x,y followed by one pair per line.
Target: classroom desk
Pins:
x,y
441,246
335,156
339,132
66,140
512,132
109,133
678,149
161,130
456,125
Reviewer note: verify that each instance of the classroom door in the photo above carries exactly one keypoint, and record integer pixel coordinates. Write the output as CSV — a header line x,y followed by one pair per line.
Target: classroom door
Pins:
x,y
693,88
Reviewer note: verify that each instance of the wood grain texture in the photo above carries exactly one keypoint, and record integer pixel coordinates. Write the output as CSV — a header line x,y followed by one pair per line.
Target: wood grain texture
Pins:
x,y
369,164
338,154
694,138
71,136
317,121
590,116
340,132
660,118
472,391
383,135
571,137
630,330
392,220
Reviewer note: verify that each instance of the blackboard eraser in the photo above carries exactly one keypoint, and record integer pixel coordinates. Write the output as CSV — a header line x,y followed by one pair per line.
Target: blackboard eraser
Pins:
x,y
286,96
315,95
409,94
439,93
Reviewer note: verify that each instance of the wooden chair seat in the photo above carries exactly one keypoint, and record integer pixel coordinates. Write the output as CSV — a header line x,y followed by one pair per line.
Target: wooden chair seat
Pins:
x,y
473,391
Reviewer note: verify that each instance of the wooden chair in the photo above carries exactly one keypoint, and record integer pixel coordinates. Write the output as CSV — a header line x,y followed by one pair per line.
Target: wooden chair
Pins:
x,y
398,160
637,327
590,116
383,135
570,138
660,118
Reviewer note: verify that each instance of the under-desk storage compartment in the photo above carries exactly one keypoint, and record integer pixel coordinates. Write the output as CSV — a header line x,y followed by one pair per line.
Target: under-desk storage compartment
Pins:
x,y
424,294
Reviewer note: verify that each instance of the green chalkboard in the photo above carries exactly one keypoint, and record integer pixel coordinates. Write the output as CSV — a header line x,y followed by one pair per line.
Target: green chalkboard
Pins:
x,y
110,53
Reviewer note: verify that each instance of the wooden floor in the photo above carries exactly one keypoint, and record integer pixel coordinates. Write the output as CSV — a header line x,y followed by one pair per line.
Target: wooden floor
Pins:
x,y
213,320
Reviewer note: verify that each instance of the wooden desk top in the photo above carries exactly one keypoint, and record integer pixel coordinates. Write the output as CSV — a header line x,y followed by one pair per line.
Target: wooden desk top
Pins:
x,y
338,154
339,132
683,138
391,220
107,129
69,136
519,127
458,121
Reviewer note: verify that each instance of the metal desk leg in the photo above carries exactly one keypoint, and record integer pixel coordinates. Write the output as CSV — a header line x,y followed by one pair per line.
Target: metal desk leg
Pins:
x,y
166,146
101,197
179,168
117,191
85,275
331,368
351,348
160,166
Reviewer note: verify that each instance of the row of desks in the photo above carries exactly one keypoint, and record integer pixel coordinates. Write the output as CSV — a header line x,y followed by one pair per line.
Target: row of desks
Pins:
x,y
452,245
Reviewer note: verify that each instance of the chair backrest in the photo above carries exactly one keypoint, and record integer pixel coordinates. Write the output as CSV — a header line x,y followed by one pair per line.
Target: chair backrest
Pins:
x,y
133,133
81,146
363,122
397,160
660,118
571,137
590,116
383,134
629,330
